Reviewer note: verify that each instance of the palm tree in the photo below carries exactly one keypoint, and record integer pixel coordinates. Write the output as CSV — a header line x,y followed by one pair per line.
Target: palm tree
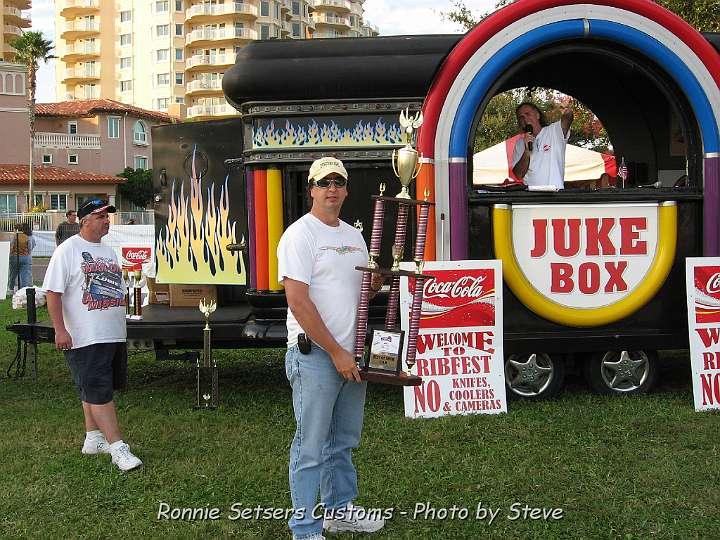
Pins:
x,y
32,47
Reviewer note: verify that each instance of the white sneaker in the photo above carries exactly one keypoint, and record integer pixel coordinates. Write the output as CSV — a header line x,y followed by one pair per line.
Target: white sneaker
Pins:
x,y
317,536
353,519
124,458
96,445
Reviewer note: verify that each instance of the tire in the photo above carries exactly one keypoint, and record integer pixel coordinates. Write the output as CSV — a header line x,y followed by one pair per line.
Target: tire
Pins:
x,y
622,372
533,376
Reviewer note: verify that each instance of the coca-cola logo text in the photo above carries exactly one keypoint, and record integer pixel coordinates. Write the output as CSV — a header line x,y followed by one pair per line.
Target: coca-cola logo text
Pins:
x,y
464,287
713,284
136,254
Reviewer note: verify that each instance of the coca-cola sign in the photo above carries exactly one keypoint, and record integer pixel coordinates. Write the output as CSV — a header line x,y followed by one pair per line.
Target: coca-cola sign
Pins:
x,y
457,298
707,294
135,257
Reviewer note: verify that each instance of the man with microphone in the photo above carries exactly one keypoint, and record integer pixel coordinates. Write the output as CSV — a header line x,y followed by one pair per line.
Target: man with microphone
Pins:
x,y
539,155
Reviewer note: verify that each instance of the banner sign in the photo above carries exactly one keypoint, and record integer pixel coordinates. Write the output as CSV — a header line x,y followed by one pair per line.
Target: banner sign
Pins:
x,y
702,276
460,341
133,258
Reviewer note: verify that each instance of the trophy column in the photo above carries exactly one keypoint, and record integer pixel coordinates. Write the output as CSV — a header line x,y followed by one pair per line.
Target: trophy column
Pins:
x,y
207,374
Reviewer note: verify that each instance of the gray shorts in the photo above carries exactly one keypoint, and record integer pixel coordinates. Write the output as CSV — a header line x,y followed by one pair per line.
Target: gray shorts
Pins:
x,y
97,370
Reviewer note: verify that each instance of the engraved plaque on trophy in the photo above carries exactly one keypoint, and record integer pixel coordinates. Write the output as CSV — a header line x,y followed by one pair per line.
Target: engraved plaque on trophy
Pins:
x,y
382,360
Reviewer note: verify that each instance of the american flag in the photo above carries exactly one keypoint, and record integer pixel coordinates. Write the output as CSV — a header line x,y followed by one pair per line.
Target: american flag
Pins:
x,y
623,171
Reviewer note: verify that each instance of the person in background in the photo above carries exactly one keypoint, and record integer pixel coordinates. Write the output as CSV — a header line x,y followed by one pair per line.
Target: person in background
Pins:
x,y
69,227
539,155
20,268
86,303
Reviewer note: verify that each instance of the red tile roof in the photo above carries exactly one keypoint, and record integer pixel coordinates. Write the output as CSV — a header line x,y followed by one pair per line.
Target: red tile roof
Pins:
x,y
44,175
92,107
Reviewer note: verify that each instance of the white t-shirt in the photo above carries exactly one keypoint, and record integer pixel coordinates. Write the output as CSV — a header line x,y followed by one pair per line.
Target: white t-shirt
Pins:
x,y
325,258
547,160
93,295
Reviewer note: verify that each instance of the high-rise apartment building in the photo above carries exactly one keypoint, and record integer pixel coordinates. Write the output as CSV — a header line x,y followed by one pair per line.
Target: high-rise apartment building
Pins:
x,y
13,21
170,55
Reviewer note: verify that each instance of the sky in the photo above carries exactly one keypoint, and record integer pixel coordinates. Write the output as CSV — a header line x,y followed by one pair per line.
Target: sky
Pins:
x,y
392,17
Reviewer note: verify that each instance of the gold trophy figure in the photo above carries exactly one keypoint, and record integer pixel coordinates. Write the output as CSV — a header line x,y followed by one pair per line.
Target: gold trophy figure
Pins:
x,y
207,373
405,161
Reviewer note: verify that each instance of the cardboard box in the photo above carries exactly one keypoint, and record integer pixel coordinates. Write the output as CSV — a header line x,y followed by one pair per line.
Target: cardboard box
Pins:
x,y
190,295
158,293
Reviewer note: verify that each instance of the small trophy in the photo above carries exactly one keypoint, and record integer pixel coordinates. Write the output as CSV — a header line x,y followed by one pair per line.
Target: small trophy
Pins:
x,y
207,373
138,283
127,284
383,361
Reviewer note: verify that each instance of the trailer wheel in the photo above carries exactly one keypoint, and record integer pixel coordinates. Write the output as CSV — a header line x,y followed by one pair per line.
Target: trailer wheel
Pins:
x,y
622,372
533,376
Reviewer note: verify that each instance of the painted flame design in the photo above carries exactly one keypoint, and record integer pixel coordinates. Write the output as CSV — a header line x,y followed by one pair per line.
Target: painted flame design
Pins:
x,y
191,247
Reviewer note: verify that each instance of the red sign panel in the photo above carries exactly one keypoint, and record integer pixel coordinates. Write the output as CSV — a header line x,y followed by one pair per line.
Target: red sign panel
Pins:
x,y
707,294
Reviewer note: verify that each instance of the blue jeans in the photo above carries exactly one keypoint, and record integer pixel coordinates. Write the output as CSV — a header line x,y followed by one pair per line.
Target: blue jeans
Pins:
x,y
329,415
25,271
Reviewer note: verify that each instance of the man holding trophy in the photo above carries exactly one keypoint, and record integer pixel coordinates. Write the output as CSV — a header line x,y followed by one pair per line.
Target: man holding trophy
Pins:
x,y
317,257
86,303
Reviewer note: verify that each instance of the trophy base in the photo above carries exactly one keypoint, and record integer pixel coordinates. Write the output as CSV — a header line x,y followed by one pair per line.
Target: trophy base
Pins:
x,y
390,377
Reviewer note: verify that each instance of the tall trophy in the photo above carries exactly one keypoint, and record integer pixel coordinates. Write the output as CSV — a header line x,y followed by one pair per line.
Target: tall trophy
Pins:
x,y
127,279
207,373
139,282
382,360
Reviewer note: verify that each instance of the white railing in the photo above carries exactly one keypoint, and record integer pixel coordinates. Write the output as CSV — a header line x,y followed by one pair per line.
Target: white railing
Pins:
x,y
11,11
82,26
12,29
213,34
221,9
344,4
211,110
329,35
331,19
63,140
82,3
82,49
201,84
82,73
210,60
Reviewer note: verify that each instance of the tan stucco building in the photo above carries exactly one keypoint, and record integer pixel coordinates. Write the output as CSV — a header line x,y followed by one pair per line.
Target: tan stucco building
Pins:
x,y
13,20
170,55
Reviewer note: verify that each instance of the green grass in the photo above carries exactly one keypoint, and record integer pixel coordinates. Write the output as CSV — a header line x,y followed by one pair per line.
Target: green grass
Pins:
x,y
619,468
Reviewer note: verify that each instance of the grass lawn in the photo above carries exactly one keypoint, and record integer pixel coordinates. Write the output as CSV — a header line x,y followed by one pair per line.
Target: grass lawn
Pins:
x,y
618,468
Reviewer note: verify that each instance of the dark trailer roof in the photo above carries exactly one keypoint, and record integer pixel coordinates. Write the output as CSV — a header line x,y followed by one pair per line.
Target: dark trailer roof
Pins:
x,y
340,68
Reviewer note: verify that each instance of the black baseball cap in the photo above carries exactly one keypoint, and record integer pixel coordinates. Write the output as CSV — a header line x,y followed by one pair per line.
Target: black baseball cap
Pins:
x,y
94,206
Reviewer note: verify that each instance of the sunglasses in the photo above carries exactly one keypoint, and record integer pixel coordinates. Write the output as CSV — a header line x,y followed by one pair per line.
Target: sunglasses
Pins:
x,y
324,183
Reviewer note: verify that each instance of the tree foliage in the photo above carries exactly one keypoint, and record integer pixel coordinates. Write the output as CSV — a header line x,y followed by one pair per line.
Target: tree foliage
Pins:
x,y
139,188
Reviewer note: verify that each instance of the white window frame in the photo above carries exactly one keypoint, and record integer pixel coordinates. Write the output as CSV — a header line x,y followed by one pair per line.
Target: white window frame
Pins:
x,y
71,124
162,3
138,157
181,56
125,37
125,13
112,133
159,55
126,60
162,79
166,30
179,77
181,27
49,161
127,84
70,159
58,194
140,137
180,4
7,195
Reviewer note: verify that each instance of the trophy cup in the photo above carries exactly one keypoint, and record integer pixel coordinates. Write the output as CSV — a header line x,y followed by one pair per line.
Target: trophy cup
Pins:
x,y
127,284
138,283
382,362
207,373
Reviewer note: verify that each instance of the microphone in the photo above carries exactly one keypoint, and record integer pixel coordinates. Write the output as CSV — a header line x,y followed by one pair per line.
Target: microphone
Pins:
x,y
529,129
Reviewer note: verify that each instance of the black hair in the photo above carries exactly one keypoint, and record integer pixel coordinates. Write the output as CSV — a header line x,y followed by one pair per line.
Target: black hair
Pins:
x,y
543,120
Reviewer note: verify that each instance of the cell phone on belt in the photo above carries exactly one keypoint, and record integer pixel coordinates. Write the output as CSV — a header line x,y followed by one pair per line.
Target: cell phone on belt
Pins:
x,y
304,344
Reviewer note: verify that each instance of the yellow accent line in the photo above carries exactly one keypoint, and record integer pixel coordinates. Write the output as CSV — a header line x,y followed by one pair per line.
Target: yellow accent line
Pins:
x,y
274,223
569,316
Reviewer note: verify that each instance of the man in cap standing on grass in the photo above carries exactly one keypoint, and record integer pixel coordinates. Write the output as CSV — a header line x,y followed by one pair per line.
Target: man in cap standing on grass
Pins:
x,y
317,256
86,303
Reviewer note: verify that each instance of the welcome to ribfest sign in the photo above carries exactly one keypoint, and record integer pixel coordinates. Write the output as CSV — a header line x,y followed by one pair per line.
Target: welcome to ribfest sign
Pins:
x,y
703,296
460,341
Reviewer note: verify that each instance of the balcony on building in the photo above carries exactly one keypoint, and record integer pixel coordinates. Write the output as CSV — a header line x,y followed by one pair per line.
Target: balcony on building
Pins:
x,y
207,12
20,4
204,86
63,140
73,8
203,111
15,17
79,51
210,35
200,61
337,5
78,74
331,19
11,31
86,92
80,28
